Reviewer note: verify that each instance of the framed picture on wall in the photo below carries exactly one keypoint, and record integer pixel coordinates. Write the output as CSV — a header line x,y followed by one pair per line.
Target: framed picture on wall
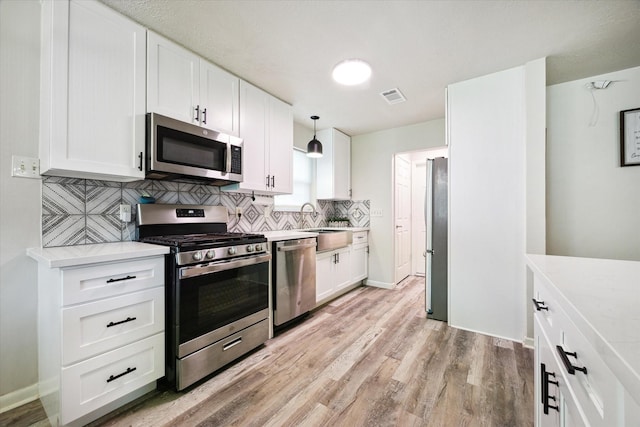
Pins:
x,y
630,137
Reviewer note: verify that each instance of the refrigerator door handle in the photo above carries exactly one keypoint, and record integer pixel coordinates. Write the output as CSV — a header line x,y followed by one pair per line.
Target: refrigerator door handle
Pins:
x,y
428,214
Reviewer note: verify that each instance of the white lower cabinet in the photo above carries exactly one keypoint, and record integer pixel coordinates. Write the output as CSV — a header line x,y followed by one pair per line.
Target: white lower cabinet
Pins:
x,y
341,269
574,386
359,256
333,272
100,336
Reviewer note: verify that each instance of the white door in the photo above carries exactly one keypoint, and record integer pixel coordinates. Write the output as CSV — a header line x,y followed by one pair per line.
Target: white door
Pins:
x,y
402,217
418,224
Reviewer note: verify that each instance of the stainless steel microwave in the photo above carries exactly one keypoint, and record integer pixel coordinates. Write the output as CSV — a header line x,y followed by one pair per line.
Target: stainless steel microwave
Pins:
x,y
176,149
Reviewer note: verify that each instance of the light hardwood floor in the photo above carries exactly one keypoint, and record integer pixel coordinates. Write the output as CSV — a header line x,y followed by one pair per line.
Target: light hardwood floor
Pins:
x,y
369,358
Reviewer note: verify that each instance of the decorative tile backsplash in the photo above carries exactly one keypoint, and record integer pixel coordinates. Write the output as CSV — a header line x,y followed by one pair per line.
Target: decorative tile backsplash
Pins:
x,y
79,211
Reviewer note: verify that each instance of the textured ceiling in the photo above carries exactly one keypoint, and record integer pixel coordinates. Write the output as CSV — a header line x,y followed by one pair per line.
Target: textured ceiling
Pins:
x,y
288,48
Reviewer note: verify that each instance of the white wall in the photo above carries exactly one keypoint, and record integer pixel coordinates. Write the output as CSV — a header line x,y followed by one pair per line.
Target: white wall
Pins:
x,y
20,200
593,204
486,122
372,179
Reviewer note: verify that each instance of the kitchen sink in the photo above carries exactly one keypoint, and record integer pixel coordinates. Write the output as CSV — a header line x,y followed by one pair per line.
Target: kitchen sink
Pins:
x,y
329,239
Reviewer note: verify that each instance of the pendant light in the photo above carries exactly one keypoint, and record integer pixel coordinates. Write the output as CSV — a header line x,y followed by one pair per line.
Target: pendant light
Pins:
x,y
314,147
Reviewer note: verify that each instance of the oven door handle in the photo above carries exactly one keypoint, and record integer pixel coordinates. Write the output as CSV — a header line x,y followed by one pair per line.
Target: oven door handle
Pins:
x,y
199,270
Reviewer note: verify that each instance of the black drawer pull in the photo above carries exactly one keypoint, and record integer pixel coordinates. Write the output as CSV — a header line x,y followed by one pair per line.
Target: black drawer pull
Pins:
x,y
128,319
121,279
140,157
544,379
539,305
571,368
115,377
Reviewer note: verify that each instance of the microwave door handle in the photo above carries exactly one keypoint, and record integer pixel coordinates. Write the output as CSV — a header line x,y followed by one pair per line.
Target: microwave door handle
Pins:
x,y
228,166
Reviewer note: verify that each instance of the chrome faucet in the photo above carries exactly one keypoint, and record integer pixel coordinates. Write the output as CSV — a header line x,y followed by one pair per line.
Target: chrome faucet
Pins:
x,y
302,208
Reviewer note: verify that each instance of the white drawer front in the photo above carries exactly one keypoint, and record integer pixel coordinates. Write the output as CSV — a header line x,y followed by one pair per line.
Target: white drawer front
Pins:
x,y
548,310
596,390
89,385
99,326
85,284
360,237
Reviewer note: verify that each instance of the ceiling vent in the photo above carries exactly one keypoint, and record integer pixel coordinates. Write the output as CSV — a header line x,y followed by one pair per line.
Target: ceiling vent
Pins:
x,y
393,96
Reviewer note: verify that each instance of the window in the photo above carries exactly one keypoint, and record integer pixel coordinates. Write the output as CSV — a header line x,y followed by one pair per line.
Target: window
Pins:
x,y
303,184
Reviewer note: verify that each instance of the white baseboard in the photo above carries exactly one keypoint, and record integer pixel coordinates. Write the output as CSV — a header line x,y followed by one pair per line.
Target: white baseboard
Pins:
x,y
376,284
528,342
486,333
18,398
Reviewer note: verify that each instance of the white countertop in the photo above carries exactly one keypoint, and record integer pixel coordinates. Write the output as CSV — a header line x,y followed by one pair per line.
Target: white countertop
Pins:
x,y
602,298
68,256
301,233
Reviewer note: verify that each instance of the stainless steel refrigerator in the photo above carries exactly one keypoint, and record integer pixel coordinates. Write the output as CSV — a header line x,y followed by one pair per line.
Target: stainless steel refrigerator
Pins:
x,y
436,215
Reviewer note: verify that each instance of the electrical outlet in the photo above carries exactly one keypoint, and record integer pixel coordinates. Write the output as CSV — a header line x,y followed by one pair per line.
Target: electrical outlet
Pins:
x,y
25,167
125,213
376,212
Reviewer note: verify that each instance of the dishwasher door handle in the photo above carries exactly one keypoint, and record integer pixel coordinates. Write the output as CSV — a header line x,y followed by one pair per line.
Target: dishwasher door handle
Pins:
x,y
295,247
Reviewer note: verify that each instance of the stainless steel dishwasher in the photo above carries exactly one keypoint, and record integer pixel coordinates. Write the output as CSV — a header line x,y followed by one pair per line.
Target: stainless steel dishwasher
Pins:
x,y
294,278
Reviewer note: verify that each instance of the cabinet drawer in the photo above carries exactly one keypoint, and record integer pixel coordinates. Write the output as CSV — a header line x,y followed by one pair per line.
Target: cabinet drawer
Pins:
x,y
99,326
360,237
85,284
89,385
547,309
597,389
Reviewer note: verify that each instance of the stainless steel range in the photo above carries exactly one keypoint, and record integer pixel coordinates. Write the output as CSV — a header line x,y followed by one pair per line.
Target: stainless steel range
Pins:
x,y
217,286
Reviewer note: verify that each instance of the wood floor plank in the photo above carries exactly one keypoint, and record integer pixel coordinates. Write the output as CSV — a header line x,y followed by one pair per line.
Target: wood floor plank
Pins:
x,y
369,358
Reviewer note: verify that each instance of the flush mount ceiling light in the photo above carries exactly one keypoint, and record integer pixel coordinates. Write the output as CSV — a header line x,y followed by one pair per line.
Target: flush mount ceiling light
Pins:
x,y
314,147
351,72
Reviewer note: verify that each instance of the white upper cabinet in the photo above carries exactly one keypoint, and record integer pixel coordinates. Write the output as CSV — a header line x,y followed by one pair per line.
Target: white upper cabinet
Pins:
x,y
333,171
266,127
185,87
92,109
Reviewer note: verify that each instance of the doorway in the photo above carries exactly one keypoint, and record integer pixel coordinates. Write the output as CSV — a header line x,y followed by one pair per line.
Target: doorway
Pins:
x,y
409,220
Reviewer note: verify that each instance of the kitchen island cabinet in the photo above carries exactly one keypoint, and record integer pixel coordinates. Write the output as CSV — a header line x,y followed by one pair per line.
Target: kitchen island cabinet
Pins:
x,y
183,86
92,109
100,327
587,342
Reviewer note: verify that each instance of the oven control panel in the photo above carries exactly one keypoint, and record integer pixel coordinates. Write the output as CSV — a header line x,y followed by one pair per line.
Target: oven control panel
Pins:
x,y
221,253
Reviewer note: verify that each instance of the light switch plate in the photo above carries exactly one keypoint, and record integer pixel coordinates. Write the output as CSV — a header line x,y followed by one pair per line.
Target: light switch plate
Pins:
x,y
376,212
25,167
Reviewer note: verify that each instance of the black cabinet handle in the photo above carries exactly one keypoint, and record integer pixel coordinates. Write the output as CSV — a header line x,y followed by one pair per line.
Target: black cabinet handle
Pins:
x,y
539,305
273,181
204,116
268,176
128,319
121,279
570,367
545,381
140,157
197,119
115,377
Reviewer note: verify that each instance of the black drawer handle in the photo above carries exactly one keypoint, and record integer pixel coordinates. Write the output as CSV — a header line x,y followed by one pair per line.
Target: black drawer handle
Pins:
x,y
128,319
571,368
115,377
140,157
544,379
539,305
121,279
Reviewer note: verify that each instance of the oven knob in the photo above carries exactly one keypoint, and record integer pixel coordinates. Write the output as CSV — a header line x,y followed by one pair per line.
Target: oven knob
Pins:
x,y
258,247
210,254
197,256
249,248
231,251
